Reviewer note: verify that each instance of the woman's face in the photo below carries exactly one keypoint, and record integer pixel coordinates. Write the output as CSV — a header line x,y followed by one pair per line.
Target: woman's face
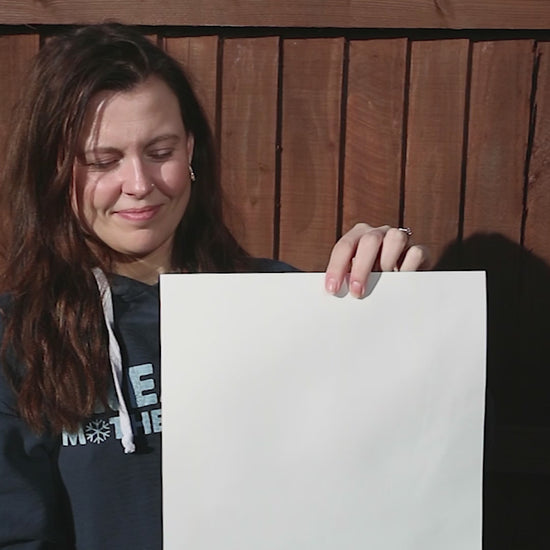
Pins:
x,y
131,181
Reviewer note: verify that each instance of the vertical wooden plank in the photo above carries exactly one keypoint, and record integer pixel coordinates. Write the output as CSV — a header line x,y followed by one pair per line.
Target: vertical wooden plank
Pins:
x,y
435,140
537,227
497,141
535,291
199,57
374,131
248,139
16,52
312,80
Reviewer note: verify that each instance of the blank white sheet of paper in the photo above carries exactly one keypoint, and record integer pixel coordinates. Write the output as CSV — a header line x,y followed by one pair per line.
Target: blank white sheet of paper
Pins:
x,y
296,420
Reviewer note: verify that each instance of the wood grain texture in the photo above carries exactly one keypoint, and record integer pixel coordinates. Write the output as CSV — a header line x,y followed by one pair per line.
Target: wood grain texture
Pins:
x,y
248,139
15,54
374,131
537,227
455,14
312,80
435,141
199,57
530,389
493,208
497,140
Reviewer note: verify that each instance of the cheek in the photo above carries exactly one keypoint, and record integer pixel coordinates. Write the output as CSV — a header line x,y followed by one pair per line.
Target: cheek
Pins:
x,y
175,180
90,196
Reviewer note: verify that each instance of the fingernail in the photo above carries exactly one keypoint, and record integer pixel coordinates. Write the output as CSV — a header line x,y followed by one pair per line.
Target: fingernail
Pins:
x,y
356,289
331,286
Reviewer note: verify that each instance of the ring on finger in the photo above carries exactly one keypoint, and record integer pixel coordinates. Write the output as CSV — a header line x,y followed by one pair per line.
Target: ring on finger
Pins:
x,y
406,230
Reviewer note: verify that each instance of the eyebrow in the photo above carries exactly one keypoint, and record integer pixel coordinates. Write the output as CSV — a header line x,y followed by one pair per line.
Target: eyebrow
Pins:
x,y
165,137
174,138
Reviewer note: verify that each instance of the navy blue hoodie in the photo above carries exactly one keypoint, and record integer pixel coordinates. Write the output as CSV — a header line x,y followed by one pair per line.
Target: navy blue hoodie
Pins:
x,y
81,490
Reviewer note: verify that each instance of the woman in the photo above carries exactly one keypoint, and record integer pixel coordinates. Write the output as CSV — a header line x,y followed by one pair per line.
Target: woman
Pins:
x,y
112,178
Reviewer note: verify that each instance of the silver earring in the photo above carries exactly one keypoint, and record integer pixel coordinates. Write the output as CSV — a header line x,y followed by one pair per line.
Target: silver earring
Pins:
x,y
192,176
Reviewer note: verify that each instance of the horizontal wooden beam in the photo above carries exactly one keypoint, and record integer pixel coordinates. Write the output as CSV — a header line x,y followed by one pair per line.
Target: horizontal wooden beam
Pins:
x,y
387,14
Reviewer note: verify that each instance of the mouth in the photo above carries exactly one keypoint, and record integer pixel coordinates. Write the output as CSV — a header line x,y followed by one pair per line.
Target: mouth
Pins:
x,y
138,214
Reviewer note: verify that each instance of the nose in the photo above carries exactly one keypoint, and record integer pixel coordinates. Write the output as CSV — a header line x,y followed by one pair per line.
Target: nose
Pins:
x,y
136,181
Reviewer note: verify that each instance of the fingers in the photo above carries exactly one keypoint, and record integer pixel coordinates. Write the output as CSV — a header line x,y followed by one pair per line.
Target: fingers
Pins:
x,y
417,257
395,243
364,248
341,257
360,246
368,250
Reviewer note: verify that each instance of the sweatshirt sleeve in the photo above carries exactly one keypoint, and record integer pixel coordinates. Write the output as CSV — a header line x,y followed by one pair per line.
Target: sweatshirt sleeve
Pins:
x,y
30,487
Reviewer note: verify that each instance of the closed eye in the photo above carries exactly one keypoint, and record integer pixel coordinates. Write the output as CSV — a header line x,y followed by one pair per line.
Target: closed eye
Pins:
x,y
101,163
160,154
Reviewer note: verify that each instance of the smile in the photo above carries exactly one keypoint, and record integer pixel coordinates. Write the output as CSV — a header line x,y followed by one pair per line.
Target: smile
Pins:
x,y
138,214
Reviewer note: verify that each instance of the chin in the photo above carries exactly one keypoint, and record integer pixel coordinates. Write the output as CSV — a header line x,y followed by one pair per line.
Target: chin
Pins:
x,y
155,252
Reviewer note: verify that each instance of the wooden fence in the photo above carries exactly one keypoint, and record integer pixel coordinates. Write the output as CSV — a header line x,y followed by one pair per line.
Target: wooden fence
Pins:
x,y
430,114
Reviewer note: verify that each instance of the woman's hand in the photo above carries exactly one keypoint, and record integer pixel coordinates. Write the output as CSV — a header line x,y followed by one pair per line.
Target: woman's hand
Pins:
x,y
364,249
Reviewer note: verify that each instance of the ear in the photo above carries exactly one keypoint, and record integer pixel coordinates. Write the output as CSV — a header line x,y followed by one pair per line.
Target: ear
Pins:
x,y
190,147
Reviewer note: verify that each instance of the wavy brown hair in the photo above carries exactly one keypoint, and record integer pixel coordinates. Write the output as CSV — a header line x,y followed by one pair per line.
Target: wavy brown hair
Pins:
x,y
55,345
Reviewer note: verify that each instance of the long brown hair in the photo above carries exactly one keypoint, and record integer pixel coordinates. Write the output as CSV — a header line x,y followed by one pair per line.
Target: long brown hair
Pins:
x,y
54,344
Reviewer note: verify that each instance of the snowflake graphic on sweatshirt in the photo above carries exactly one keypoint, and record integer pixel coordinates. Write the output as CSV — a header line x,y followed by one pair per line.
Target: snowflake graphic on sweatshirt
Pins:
x,y
97,431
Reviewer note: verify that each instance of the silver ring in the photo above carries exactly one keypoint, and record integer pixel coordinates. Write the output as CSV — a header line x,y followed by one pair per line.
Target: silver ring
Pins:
x,y
406,230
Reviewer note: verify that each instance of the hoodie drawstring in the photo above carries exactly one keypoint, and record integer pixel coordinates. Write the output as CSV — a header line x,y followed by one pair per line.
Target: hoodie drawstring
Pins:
x,y
115,359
